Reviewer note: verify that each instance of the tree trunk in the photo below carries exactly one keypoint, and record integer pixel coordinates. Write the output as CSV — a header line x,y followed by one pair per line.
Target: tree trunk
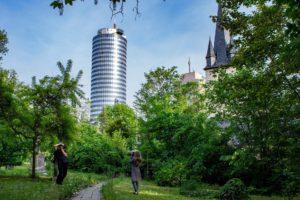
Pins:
x,y
33,158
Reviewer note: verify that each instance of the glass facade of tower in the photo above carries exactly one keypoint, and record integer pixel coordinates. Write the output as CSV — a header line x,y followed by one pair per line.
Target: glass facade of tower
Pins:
x,y
108,84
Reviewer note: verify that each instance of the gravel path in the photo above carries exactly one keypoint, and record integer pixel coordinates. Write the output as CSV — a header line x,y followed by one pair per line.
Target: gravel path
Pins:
x,y
90,193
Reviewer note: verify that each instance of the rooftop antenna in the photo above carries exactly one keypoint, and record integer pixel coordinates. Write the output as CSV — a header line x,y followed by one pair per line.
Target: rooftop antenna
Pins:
x,y
189,63
114,19
114,2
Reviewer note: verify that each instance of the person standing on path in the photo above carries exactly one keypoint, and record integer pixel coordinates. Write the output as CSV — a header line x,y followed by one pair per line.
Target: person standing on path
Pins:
x,y
61,156
135,160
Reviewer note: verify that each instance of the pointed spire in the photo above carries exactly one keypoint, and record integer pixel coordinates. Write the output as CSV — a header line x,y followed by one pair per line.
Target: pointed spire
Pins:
x,y
220,41
210,56
220,12
210,49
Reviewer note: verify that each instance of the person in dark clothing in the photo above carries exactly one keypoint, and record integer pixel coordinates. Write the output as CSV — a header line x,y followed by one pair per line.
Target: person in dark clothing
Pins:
x,y
61,157
135,160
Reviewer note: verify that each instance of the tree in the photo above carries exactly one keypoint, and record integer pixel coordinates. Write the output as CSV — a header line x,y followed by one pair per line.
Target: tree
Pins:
x,y
267,37
98,152
60,4
261,100
12,149
160,83
262,121
65,90
31,113
119,118
3,43
175,128
69,87
38,111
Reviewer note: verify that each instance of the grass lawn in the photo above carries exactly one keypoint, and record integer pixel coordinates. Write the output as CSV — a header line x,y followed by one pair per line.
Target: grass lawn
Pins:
x,y
121,189
16,185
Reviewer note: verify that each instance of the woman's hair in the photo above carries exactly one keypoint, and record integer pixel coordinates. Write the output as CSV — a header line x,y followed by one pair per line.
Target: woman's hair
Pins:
x,y
137,158
137,155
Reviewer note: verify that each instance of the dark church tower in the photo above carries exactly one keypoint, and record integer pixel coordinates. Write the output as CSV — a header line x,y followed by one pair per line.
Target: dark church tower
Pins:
x,y
219,54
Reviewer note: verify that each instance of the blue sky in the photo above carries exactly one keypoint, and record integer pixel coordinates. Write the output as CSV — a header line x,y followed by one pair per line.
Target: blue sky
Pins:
x,y
166,34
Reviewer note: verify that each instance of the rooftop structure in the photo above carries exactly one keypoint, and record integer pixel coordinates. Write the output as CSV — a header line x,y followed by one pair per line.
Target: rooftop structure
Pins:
x,y
192,76
220,53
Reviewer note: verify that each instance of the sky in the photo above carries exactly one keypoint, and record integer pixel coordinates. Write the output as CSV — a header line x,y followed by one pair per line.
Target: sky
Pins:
x,y
166,34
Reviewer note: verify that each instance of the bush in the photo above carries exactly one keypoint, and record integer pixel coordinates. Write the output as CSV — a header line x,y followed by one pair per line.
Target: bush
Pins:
x,y
99,153
171,173
233,189
290,189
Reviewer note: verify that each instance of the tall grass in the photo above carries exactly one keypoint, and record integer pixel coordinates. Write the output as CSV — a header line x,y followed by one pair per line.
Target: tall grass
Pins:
x,y
15,184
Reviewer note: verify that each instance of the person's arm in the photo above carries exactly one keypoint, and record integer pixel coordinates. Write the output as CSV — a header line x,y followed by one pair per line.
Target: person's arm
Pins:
x,y
132,159
63,151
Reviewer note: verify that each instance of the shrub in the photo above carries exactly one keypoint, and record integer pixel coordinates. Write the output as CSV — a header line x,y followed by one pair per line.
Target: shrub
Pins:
x,y
290,189
234,189
99,153
171,173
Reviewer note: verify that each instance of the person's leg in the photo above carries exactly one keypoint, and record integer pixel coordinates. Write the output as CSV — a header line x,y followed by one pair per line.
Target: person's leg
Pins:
x,y
60,174
55,170
134,186
137,186
65,171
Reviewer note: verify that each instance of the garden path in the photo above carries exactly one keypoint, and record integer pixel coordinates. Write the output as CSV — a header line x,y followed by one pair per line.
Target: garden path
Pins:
x,y
89,193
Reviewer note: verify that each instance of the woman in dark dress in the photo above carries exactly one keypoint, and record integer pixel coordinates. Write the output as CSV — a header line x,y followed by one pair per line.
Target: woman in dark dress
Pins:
x,y
61,157
136,160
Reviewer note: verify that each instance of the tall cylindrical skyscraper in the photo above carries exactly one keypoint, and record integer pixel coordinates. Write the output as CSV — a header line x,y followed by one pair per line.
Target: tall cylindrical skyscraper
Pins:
x,y
108,84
